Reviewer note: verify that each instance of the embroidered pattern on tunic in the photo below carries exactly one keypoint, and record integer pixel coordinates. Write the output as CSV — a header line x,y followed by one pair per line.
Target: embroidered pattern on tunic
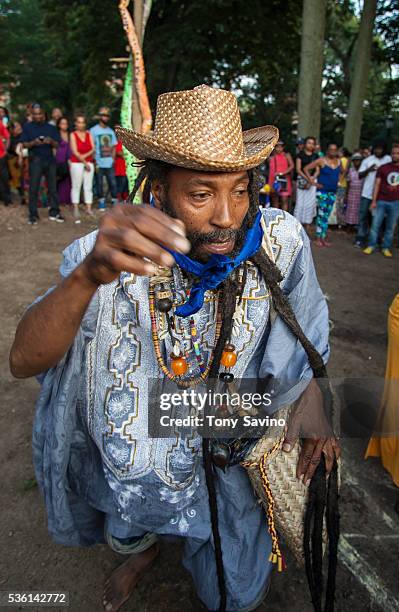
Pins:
x,y
164,487
285,239
123,359
122,399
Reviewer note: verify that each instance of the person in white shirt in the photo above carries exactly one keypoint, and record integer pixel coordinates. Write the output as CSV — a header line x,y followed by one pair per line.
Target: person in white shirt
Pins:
x,y
367,171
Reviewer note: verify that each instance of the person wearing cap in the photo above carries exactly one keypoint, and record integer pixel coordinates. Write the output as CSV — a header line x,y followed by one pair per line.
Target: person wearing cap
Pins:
x,y
41,139
354,191
199,285
104,141
300,145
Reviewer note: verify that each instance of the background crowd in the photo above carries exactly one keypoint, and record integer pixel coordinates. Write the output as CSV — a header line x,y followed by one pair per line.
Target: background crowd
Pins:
x,y
52,163
357,192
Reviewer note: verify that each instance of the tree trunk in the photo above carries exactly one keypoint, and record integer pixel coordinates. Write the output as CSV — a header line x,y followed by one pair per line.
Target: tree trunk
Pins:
x,y
361,68
312,61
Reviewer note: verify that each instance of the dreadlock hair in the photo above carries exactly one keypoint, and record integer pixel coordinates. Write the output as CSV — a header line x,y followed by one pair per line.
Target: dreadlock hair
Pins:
x,y
320,494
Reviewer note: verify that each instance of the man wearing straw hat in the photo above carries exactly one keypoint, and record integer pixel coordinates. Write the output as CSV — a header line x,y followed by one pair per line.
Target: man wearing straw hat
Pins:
x,y
182,290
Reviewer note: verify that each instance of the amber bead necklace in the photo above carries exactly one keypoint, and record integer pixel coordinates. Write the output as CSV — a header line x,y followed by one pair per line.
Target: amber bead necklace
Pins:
x,y
179,364
162,300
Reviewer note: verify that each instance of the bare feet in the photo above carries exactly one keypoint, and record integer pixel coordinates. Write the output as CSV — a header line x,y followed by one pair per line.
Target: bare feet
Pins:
x,y
326,243
124,578
318,242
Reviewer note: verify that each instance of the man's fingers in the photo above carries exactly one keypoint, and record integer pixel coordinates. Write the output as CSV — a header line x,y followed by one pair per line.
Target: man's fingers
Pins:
x,y
129,236
305,457
150,213
314,462
292,434
311,454
153,224
134,244
116,261
329,456
336,447
181,225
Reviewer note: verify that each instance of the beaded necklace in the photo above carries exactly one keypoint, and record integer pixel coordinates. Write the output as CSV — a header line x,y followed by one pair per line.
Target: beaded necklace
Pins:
x,y
177,360
166,288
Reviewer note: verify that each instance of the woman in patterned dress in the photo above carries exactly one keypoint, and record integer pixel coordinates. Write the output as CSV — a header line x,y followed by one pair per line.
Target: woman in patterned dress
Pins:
x,y
354,192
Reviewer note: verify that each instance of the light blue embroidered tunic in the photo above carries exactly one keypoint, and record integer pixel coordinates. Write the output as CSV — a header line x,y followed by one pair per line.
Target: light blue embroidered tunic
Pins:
x,y
95,463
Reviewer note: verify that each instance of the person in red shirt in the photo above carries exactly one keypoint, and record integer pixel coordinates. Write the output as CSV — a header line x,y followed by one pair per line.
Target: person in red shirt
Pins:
x,y
385,204
81,166
120,173
5,193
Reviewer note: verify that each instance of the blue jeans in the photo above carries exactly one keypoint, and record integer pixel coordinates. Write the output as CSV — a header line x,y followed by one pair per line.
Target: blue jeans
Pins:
x,y
363,228
109,174
5,194
122,184
37,167
390,212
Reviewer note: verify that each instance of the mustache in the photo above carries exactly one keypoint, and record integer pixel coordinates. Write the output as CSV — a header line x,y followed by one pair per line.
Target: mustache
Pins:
x,y
220,235
197,239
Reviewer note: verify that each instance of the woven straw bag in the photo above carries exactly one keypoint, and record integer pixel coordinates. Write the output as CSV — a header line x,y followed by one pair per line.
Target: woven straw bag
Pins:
x,y
272,473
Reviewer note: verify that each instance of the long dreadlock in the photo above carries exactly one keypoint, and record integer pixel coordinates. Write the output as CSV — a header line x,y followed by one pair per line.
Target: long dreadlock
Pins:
x,y
321,493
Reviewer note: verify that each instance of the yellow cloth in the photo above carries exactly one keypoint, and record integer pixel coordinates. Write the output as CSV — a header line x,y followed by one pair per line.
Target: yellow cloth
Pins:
x,y
266,188
15,172
388,419
343,182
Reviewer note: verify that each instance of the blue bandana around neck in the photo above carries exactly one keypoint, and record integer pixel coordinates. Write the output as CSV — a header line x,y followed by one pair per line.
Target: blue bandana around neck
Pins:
x,y
216,269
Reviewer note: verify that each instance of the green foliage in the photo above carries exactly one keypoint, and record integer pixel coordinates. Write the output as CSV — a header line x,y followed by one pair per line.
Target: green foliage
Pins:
x,y
58,53
250,47
383,88
26,55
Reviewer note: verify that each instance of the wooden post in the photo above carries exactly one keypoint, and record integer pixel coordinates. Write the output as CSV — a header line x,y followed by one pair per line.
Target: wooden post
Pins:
x,y
141,119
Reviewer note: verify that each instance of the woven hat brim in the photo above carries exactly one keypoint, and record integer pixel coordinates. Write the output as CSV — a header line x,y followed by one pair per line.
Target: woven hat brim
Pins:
x,y
258,145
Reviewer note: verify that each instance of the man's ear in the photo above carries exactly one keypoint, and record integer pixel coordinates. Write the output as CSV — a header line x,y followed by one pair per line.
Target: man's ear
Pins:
x,y
158,193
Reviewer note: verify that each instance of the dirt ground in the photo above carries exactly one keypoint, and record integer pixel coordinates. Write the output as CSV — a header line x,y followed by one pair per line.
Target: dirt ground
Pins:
x,y
359,289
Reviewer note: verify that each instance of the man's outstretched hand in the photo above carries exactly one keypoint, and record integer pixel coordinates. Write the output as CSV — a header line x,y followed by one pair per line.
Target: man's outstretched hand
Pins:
x,y
310,423
130,239
130,236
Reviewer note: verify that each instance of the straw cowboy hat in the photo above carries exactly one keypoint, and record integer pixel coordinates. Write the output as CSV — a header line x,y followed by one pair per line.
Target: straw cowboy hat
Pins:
x,y
201,129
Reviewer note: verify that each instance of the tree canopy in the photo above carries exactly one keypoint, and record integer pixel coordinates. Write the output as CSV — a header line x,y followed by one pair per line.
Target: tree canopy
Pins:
x,y
59,54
